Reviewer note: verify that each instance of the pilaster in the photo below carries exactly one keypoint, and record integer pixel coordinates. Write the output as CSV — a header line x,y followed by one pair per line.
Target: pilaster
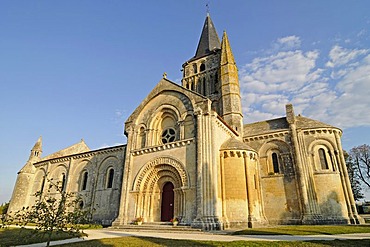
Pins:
x,y
123,208
308,202
346,184
207,207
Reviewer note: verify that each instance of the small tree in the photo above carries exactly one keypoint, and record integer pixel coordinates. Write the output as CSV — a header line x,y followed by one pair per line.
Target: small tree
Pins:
x,y
360,157
3,215
353,177
53,212
4,208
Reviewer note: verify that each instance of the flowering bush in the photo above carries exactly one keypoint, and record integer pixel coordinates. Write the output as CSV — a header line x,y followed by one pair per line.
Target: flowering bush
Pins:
x,y
174,220
138,219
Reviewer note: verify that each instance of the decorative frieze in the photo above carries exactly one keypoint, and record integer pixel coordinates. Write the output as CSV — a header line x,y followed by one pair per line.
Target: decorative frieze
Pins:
x,y
43,163
169,164
224,128
238,153
81,155
60,160
166,146
321,131
266,136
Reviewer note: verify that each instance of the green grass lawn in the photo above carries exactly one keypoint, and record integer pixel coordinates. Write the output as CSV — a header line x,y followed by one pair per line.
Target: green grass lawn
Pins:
x,y
143,241
21,236
17,236
306,230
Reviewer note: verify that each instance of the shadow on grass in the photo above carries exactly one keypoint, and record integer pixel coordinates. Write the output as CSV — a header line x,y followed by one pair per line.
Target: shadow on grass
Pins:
x,y
144,241
23,236
340,243
306,230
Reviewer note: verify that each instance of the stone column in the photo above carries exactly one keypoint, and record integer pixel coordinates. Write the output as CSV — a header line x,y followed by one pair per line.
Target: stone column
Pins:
x,y
199,185
215,179
223,196
347,189
249,187
122,214
300,173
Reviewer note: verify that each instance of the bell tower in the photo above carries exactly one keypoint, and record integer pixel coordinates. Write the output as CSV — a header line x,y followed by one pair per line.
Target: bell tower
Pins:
x,y
212,72
200,73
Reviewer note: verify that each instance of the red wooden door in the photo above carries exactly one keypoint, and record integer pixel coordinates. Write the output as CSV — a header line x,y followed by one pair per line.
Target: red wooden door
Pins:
x,y
167,202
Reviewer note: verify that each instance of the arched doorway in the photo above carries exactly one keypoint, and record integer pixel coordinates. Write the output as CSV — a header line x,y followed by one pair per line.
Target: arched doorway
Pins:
x,y
167,206
160,183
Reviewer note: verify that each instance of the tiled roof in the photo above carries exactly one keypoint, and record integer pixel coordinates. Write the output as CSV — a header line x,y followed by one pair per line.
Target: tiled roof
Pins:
x,y
281,124
209,40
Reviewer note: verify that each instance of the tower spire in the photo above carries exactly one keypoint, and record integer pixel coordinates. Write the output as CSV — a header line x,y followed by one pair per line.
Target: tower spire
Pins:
x,y
227,56
231,109
209,40
36,151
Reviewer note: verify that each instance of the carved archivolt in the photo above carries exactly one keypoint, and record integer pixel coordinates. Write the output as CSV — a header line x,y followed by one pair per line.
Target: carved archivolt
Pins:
x,y
158,168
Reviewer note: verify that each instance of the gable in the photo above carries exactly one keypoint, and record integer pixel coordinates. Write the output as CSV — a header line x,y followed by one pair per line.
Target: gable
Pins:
x,y
80,147
167,92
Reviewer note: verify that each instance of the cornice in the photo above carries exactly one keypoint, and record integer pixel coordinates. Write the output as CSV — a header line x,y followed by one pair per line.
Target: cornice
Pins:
x,y
166,146
221,123
321,131
81,155
266,136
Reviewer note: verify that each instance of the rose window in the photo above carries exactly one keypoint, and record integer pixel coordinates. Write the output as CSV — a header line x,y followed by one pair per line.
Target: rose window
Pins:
x,y
168,135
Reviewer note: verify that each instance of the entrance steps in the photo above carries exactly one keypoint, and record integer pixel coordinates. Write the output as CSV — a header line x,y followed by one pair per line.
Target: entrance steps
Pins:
x,y
157,226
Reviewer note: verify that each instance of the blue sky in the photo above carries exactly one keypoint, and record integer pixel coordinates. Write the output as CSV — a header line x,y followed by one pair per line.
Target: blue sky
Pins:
x,y
77,69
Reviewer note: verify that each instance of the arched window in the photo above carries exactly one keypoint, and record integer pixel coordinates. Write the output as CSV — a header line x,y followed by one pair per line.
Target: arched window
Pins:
x,y
110,176
204,86
63,181
202,67
211,86
331,160
169,128
275,162
85,176
81,204
323,160
42,184
199,86
141,138
215,87
195,68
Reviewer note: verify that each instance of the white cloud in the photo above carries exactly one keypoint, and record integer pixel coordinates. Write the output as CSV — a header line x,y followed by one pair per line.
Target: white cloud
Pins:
x,y
274,73
289,42
105,145
353,103
340,56
362,33
119,116
336,92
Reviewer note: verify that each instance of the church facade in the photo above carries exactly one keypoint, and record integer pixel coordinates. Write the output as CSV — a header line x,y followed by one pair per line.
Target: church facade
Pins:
x,y
189,155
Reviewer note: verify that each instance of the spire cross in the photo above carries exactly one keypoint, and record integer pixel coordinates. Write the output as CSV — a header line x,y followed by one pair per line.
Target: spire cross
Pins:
x,y
207,7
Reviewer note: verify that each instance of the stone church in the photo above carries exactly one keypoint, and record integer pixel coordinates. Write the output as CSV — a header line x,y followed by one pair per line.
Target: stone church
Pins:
x,y
189,155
